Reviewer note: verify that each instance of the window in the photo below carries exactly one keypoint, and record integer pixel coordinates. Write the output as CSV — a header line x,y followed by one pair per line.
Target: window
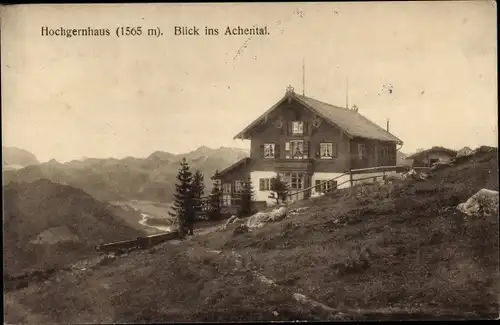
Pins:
x,y
226,200
238,186
297,149
297,127
326,150
385,152
269,150
361,151
226,188
296,181
264,184
322,186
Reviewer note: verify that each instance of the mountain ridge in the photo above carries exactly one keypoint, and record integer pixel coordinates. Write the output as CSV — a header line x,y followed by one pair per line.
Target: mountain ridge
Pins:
x,y
111,179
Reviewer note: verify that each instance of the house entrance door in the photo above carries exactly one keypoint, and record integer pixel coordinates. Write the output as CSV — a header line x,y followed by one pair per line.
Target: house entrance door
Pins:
x,y
297,182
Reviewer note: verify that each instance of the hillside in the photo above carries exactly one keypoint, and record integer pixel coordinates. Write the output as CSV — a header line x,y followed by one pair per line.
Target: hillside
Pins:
x,y
48,225
397,251
150,178
15,158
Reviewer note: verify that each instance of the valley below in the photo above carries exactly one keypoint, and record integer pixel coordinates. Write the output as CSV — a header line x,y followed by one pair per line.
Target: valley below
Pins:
x,y
151,217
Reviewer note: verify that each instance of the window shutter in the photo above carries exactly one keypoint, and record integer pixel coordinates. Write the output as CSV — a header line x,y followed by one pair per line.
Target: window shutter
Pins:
x,y
305,129
290,127
287,150
262,150
277,151
335,149
261,184
318,151
306,149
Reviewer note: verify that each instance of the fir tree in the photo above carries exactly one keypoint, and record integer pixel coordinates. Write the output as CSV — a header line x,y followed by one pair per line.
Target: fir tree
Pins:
x,y
198,189
183,199
279,189
247,198
215,200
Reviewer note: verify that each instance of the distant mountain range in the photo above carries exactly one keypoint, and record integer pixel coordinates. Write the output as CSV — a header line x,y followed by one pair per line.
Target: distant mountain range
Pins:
x,y
111,179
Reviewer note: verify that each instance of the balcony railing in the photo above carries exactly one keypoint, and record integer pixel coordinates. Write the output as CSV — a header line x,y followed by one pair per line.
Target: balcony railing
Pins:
x,y
303,165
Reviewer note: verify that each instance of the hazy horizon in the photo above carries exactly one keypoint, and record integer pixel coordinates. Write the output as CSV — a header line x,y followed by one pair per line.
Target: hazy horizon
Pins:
x,y
140,157
431,67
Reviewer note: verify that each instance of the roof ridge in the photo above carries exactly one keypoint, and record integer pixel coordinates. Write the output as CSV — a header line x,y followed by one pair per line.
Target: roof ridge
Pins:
x,y
322,102
353,112
353,123
233,165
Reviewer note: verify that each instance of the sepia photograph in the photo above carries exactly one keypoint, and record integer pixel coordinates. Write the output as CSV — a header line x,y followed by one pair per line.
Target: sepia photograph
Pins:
x,y
250,162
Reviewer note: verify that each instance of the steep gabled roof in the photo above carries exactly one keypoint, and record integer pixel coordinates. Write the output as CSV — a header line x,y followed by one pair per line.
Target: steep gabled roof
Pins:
x,y
349,121
231,167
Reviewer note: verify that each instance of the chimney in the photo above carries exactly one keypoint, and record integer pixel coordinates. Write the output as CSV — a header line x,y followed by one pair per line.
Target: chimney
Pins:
x,y
387,128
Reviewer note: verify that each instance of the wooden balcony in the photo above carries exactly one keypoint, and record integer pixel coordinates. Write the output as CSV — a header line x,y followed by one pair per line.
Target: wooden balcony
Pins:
x,y
296,165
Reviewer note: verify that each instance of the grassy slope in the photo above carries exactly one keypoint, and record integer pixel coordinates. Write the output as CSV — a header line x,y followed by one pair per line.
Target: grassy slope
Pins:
x,y
421,252
402,248
32,208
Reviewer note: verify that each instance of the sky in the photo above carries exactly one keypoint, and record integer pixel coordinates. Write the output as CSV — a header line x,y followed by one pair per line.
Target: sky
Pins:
x,y
430,67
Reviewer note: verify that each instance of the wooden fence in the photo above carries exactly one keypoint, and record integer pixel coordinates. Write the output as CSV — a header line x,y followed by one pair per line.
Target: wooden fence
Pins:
x,y
138,243
352,172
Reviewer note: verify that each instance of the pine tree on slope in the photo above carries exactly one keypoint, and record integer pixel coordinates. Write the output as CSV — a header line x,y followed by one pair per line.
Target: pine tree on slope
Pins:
x,y
198,188
215,198
279,189
183,199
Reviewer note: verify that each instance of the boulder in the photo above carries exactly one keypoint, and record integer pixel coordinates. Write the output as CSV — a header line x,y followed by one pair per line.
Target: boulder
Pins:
x,y
484,202
257,220
260,218
277,214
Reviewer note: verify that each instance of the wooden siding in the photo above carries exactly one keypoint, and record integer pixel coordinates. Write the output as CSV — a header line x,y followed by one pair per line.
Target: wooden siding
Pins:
x,y
375,154
268,132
